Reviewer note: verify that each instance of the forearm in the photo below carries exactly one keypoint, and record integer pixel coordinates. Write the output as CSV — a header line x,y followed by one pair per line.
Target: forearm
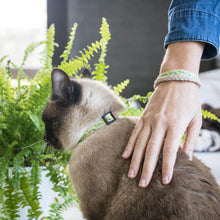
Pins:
x,y
183,55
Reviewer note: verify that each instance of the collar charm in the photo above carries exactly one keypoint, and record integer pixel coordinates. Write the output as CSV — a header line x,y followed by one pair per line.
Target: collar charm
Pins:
x,y
109,117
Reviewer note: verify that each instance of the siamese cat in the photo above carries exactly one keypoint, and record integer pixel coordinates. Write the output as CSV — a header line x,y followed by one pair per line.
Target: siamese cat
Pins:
x,y
98,172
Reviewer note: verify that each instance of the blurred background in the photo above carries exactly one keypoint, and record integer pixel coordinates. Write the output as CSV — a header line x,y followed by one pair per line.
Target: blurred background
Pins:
x,y
138,29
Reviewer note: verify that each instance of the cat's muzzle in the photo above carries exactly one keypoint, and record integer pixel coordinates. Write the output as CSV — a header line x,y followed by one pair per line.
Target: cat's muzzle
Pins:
x,y
53,142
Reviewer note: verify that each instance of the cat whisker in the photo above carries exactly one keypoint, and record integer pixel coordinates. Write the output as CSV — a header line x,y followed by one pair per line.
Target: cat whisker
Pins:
x,y
30,145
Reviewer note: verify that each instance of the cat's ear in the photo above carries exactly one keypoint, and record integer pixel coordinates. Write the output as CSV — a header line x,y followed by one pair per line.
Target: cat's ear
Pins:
x,y
60,84
86,74
62,87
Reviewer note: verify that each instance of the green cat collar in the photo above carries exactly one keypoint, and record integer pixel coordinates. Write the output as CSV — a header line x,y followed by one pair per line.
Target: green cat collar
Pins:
x,y
107,119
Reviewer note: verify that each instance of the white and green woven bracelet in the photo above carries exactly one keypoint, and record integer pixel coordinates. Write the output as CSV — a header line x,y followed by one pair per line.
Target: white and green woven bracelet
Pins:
x,y
177,75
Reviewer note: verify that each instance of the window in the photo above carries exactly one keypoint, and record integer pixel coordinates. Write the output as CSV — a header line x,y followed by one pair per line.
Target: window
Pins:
x,y
21,23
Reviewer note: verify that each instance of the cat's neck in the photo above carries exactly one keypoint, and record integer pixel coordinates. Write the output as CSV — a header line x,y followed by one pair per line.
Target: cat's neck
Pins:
x,y
106,119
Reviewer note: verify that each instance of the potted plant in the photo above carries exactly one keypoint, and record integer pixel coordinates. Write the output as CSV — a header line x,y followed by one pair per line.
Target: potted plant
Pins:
x,y
21,129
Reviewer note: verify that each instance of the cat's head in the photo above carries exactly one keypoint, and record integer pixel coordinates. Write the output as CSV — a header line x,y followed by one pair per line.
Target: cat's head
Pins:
x,y
74,107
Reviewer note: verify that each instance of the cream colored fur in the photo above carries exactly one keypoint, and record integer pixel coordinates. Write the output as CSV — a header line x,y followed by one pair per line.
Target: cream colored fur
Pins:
x,y
97,100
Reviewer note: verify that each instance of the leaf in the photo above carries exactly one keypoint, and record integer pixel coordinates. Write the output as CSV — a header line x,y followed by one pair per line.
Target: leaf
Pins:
x,y
68,48
100,67
35,119
210,115
121,86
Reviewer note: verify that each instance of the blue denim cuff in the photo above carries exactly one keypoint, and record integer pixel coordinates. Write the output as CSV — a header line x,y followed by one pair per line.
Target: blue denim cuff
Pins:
x,y
195,25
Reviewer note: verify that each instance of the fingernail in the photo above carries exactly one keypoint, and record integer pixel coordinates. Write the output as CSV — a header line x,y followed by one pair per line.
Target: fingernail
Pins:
x,y
165,179
131,173
125,154
142,183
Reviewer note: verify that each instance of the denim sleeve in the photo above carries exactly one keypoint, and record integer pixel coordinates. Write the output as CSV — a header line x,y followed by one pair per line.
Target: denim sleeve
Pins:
x,y
195,20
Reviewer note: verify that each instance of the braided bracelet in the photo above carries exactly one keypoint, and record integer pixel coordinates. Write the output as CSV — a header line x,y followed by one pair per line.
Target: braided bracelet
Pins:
x,y
177,75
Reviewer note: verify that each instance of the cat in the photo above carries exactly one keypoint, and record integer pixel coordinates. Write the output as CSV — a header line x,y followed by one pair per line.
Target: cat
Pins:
x,y
97,170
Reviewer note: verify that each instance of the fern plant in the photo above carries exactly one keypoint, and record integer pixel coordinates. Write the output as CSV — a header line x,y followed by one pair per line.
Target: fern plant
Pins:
x,y
21,128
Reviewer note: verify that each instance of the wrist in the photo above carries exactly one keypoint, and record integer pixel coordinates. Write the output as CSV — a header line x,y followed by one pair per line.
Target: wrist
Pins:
x,y
183,55
177,75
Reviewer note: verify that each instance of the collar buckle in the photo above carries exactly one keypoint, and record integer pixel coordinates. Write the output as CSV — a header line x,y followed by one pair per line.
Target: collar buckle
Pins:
x,y
109,118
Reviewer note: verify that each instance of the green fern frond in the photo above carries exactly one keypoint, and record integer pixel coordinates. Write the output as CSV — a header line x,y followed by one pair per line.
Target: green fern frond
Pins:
x,y
35,179
48,52
18,161
11,205
68,48
41,81
121,86
4,165
140,98
2,60
75,65
62,185
57,208
207,114
101,67
28,51
27,199
131,109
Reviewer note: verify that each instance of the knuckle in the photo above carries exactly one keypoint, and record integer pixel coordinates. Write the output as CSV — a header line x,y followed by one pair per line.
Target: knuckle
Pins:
x,y
175,124
135,161
150,148
159,118
145,119
167,151
135,130
140,145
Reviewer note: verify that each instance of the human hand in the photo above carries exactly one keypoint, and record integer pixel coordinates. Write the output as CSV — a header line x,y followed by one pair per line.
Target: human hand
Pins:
x,y
173,108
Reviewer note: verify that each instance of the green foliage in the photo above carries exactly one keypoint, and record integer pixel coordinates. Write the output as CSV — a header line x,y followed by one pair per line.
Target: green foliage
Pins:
x,y
21,132
10,204
68,48
21,128
120,87
101,67
207,114
28,198
131,109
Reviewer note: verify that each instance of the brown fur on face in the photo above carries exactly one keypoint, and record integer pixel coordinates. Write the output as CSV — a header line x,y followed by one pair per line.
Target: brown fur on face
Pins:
x,y
99,174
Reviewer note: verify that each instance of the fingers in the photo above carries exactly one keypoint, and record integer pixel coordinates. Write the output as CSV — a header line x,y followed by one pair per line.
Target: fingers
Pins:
x,y
192,136
139,152
171,146
131,143
151,155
